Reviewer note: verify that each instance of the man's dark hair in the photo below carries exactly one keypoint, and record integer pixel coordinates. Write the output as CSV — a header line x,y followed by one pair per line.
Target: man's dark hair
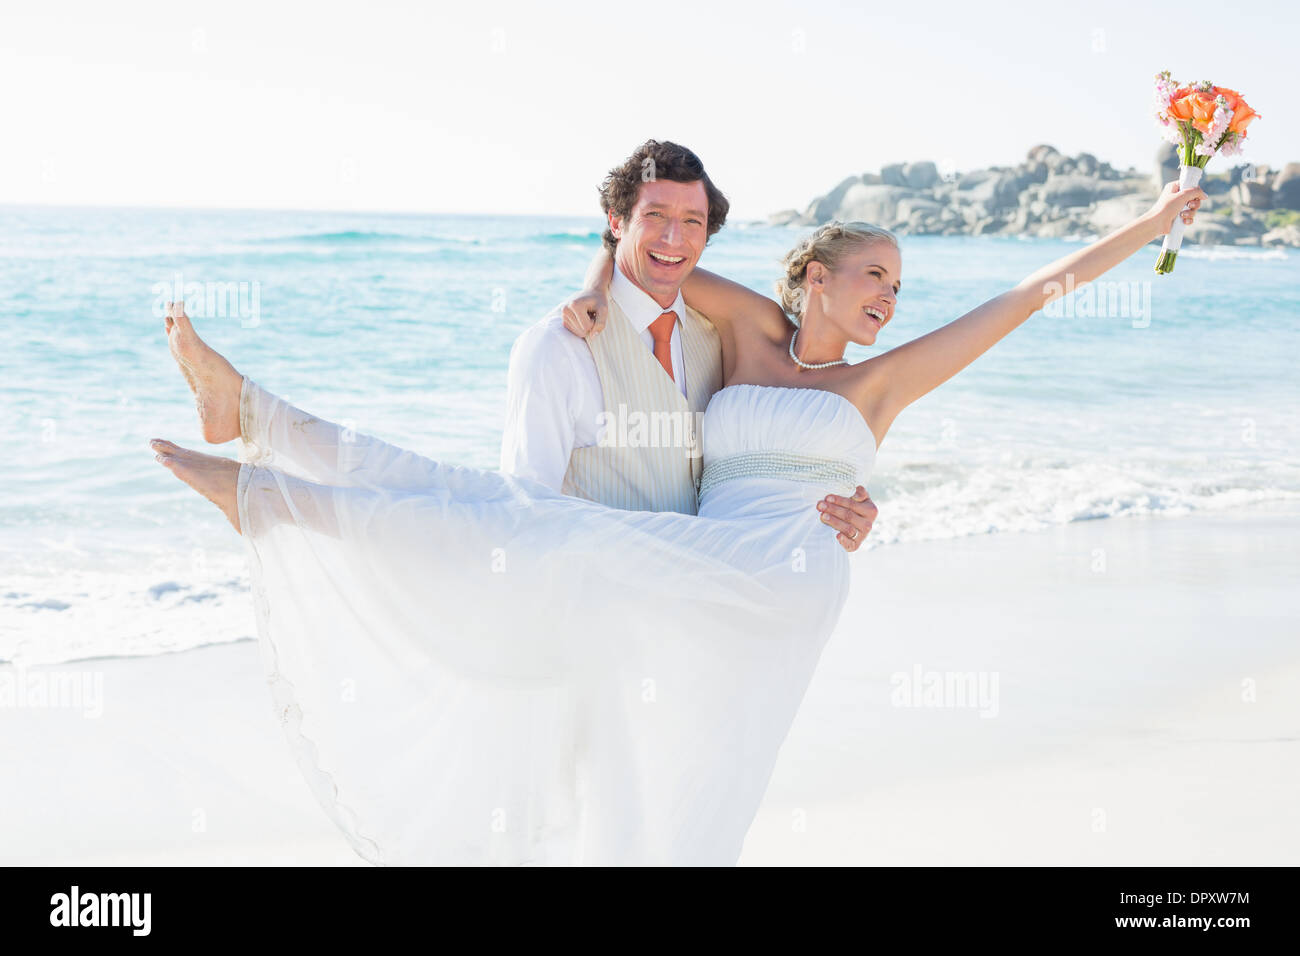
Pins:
x,y
657,160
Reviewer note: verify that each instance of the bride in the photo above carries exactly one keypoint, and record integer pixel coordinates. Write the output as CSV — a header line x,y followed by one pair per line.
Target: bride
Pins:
x,y
472,668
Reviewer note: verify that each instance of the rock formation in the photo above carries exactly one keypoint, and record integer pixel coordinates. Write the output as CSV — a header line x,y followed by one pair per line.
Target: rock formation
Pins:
x,y
1053,195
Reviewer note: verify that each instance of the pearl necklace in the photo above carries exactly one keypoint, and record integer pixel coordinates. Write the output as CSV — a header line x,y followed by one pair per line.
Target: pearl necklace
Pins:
x,y
809,365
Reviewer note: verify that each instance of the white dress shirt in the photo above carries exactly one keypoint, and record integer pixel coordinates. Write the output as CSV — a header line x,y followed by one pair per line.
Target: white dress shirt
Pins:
x,y
553,393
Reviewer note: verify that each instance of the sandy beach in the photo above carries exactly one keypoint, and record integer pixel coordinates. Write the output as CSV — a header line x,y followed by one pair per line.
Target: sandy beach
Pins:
x,y
1122,691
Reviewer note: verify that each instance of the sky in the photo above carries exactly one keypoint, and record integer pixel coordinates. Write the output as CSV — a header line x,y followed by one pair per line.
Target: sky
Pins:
x,y
521,107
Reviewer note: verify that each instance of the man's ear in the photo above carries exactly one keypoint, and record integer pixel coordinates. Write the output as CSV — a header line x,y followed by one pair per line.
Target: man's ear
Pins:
x,y
616,225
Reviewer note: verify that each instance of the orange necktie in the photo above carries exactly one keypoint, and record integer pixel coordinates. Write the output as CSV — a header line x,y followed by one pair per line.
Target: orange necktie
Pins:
x,y
661,330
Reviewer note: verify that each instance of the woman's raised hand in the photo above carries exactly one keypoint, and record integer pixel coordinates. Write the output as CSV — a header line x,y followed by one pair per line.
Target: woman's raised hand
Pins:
x,y
586,312
1170,203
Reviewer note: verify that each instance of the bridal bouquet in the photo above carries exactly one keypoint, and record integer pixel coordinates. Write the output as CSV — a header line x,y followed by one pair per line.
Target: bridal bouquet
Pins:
x,y
1202,120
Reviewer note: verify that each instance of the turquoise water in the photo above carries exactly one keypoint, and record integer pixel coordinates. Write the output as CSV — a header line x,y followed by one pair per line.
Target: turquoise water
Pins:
x,y
1179,398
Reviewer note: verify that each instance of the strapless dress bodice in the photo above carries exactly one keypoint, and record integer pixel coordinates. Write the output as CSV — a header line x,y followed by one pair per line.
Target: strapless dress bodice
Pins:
x,y
771,438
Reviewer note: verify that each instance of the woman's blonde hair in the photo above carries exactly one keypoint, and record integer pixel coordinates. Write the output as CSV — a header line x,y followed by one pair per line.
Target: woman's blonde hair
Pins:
x,y
828,244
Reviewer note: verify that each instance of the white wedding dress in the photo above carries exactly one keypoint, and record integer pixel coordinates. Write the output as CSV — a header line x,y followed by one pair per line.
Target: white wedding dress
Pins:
x,y
474,669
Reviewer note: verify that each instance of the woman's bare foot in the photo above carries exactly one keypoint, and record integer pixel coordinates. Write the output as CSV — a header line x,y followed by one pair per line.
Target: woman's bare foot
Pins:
x,y
216,479
214,381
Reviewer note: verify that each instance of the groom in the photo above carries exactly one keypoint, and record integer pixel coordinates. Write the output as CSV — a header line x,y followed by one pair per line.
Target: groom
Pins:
x,y
658,360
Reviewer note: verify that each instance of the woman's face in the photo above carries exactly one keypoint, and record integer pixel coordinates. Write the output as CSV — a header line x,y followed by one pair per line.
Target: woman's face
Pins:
x,y
859,296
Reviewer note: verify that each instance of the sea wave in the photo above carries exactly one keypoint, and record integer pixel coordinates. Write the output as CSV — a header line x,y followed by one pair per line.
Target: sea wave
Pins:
x,y
347,236
566,235
1232,252
362,236
988,501
89,613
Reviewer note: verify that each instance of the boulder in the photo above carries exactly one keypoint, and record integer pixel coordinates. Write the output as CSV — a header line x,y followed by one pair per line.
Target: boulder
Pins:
x,y
1212,231
1109,214
874,204
1034,172
1058,163
1166,164
1142,185
944,188
1086,163
1021,221
999,191
921,223
1058,228
1216,185
824,209
1073,189
1248,221
974,178
1252,195
1286,188
1040,153
918,205
892,175
1282,236
786,217
921,175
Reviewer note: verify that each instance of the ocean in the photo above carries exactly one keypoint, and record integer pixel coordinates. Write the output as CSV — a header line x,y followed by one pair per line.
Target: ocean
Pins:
x,y
1139,395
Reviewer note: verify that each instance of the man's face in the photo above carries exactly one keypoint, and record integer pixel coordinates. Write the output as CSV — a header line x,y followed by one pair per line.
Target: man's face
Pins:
x,y
660,241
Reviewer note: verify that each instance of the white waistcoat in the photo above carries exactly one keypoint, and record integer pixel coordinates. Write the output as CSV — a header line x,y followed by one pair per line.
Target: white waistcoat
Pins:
x,y
648,458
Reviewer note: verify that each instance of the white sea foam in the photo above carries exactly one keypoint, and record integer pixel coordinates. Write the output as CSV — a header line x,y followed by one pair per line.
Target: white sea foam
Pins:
x,y
83,613
1226,253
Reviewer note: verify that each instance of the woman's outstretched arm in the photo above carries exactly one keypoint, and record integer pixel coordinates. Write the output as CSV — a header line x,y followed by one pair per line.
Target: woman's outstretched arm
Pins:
x,y
910,371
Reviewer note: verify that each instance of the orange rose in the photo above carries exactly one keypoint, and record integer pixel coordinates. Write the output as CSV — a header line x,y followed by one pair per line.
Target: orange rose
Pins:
x,y
1180,104
1202,104
1242,116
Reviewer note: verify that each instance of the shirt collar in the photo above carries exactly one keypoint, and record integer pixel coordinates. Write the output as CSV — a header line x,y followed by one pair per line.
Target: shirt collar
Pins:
x,y
636,303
